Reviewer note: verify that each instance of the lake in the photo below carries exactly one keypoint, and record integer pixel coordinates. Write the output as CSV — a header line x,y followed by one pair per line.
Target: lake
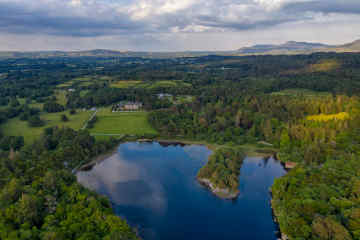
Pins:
x,y
154,187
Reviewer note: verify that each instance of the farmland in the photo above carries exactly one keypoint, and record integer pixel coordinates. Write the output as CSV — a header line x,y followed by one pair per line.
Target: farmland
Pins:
x,y
16,127
132,123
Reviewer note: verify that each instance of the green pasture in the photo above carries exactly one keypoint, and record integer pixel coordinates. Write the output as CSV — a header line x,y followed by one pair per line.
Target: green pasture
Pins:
x,y
125,84
300,92
132,123
16,127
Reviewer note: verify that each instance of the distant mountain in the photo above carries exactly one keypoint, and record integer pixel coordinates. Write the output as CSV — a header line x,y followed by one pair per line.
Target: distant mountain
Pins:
x,y
354,46
109,53
40,54
290,46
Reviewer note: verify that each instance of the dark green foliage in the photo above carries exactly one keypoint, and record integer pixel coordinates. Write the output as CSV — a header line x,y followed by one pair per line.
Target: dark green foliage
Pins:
x,y
28,112
223,168
92,122
15,143
53,107
40,198
14,102
64,118
320,203
234,104
36,121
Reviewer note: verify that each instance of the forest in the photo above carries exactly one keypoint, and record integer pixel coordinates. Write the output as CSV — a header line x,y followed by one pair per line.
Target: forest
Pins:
x,y
307,107
41,199
223,169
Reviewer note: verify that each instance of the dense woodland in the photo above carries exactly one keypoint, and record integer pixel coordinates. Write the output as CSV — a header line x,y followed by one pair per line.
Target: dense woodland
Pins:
x,y
41,199
223,168
306,106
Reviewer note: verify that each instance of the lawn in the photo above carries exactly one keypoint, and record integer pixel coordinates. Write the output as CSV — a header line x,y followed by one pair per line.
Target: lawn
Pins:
x,y
301,92
125,84
164,84
22,101
65,85
134,123
16,127
184,99
82,81
61,97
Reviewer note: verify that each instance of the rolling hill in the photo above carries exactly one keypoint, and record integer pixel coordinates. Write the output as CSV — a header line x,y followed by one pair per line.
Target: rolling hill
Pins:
x,y
283,48
291,47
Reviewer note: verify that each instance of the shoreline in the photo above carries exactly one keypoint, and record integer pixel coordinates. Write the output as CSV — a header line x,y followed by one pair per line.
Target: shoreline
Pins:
x,y
249,149
281,236
222,193
88,166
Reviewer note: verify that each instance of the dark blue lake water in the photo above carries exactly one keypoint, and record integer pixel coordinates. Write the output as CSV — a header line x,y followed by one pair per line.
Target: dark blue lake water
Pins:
x,y
154,187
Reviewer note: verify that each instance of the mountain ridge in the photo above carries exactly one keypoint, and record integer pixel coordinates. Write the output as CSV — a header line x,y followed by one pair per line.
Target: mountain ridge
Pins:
x,y
290,47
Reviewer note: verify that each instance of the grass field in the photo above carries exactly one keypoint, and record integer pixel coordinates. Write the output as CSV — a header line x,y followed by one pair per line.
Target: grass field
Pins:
x,y
16,127
325,66
22,101
149,85
300,92
134,123
64,85
82,81
61,97
184,99
125,84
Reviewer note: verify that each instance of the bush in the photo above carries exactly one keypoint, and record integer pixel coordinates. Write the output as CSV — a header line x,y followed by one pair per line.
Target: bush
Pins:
x,y
92,122
53,107
64,118
36,121
24,116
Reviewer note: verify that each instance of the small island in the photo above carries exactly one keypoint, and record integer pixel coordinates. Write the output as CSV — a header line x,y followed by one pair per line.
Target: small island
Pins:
x,y
222,171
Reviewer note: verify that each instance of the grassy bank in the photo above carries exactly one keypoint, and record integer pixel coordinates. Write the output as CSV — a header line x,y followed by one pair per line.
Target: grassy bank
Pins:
x,y
253,150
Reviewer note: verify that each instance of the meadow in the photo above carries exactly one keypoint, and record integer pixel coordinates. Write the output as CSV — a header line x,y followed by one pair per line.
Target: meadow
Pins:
x,y
149,85
297,92
16,127
131,123
61,97
125,84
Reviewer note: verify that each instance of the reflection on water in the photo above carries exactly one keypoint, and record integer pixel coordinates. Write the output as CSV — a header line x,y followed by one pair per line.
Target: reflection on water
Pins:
x,y
154,187
125,183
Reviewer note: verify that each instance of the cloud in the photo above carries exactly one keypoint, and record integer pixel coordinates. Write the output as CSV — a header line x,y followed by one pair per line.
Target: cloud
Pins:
x,y
325,6
154,21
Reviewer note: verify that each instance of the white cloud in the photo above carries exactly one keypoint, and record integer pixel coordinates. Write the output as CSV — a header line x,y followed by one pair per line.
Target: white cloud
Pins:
x,y
152,23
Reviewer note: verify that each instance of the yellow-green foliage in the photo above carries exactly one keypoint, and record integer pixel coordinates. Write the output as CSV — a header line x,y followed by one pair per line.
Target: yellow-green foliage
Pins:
x,y
125,84
298,92
329,117
164,84
61,97
324,66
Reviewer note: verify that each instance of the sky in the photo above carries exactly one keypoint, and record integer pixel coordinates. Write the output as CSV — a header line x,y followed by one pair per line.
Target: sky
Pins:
x,y
173,25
